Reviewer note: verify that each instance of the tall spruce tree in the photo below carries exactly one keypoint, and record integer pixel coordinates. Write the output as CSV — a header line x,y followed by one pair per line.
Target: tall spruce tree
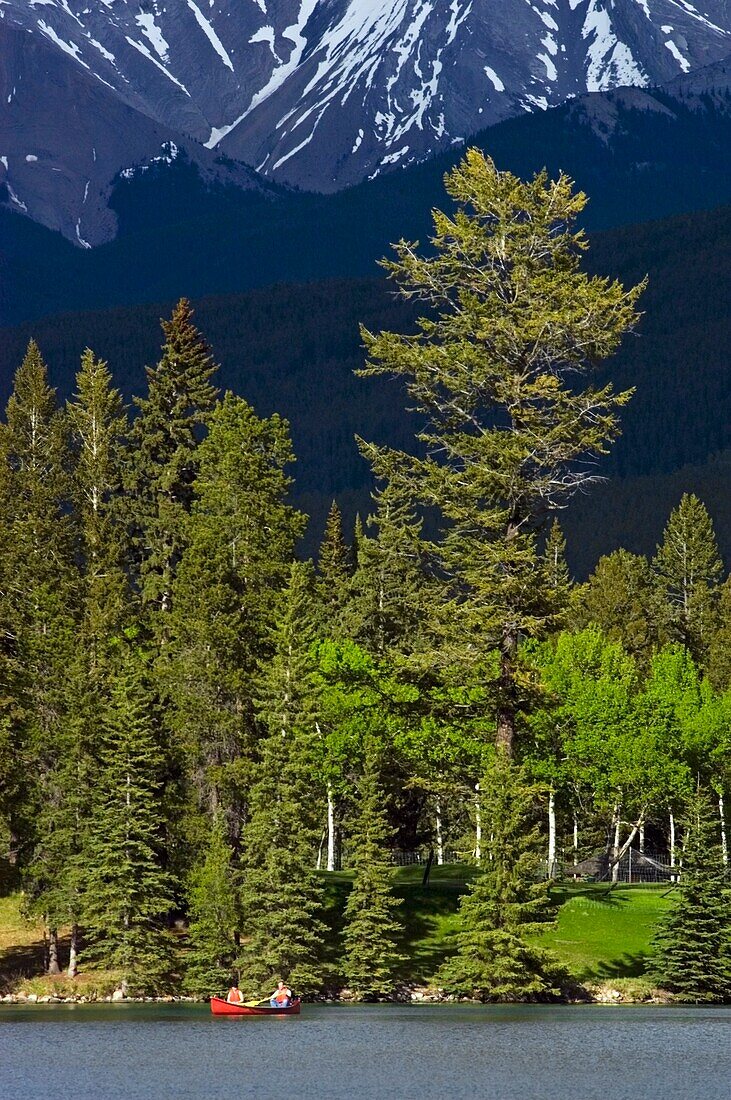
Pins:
x,y
687,570
618,599
40,586
335,572
556,566
281,894
371,956
127,890
512,325
496,958
97,426
390,584
163,461
213,912
240,539
693,945
719,654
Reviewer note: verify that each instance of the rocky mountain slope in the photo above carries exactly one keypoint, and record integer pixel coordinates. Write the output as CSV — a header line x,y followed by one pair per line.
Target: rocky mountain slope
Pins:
x,y
64,136
314,93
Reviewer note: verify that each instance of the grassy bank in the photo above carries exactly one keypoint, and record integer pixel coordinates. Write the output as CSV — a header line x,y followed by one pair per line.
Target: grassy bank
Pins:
x,y
602,934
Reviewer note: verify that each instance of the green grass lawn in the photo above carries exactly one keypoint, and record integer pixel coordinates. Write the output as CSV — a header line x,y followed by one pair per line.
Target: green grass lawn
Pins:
x,y
601,934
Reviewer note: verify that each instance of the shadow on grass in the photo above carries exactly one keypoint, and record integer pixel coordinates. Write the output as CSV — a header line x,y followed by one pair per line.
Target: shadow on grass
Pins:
x,y
17,962
603,895
426,914
627,966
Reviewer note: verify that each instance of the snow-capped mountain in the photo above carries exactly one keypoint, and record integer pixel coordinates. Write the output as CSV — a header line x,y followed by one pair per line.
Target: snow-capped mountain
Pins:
x,y
319,93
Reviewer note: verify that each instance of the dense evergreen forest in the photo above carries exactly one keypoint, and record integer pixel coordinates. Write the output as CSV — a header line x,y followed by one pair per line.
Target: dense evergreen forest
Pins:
x,y
294,349
196,722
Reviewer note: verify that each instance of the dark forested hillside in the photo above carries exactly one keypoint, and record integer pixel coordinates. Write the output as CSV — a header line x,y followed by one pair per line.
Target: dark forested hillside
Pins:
x,y
294,349
637,155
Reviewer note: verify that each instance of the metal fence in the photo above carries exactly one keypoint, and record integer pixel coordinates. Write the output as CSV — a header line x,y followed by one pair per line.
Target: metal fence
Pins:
x,y
421,857
635,866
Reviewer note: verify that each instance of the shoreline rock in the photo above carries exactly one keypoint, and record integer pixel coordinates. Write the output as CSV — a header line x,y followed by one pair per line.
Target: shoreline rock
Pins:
x,y
599,994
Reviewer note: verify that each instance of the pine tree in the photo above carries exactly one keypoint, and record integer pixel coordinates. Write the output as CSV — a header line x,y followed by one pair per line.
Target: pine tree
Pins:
x,y
618,599
128,893
281,894
240,540
390,584
719,654
40,590
693,945
557,570
163,454
335,569
511,324
213,913
504,907
371,957
97,426
687,570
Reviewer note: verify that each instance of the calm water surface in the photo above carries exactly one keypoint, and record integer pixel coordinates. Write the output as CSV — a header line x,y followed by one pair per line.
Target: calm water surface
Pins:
x,y
152,1052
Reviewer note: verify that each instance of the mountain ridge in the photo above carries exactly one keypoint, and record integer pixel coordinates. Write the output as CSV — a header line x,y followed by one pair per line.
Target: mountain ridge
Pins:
x,y
318,94
639,155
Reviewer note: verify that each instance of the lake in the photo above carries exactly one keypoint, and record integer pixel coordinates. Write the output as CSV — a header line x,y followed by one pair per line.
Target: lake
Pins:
x,y
158,1051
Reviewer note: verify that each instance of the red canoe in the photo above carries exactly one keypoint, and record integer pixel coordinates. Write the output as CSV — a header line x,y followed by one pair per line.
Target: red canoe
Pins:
x,y
219,1007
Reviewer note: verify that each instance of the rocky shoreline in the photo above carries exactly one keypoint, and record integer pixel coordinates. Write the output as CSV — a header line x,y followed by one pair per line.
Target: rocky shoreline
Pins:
x,y
604,994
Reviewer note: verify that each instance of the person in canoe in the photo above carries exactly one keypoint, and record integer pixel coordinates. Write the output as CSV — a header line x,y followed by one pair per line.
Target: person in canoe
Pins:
x,y
235,996
281,997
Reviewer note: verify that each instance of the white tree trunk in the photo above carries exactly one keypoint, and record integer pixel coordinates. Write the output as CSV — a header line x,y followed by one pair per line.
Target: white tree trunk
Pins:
x,y
724,840
551,835
439,834
576,840
478,824
330,829
620,852
73,951
642,839
672,843
615,846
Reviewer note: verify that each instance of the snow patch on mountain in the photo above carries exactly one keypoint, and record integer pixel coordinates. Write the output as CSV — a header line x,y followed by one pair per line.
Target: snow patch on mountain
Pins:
x,y
324,93
211,35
